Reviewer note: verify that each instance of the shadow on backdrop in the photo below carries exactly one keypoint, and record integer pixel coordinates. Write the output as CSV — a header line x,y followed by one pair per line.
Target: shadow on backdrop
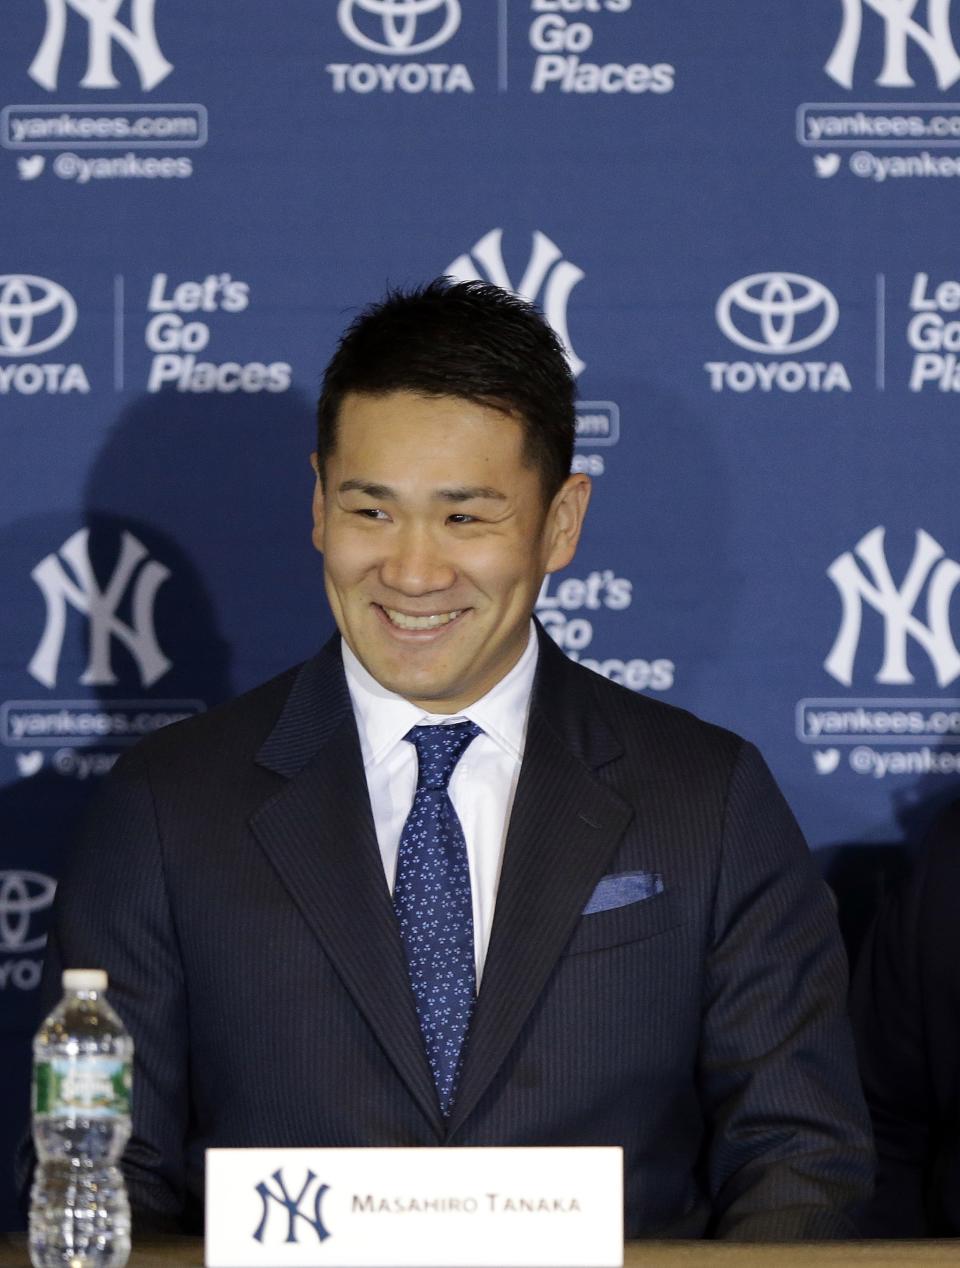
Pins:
x,y
639,524
227,478
190,555
862,873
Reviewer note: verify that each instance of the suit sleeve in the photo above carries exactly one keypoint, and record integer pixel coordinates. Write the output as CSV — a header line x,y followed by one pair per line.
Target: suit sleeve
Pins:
x,y
790,1156
905,1004
112,912
887,1014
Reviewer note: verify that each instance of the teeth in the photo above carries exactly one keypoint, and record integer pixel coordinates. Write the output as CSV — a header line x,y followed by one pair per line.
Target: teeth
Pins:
x,y
420,622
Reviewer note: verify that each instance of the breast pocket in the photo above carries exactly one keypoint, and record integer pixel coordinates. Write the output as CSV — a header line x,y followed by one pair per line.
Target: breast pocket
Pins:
x,y
632,923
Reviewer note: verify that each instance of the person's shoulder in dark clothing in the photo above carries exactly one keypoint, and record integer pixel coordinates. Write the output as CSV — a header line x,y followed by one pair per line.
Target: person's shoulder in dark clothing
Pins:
x,y
906,1011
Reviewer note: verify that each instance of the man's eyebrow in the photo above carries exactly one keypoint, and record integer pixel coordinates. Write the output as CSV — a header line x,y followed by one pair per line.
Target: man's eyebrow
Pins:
x,y
457,493
382,491
467,493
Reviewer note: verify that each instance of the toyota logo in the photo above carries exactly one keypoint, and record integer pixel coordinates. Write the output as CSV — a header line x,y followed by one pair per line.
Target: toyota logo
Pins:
x,y
777,312
26,301
22,894
398,20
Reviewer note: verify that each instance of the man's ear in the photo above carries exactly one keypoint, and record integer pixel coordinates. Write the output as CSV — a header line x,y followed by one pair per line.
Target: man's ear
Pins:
x,y
319,505
565,521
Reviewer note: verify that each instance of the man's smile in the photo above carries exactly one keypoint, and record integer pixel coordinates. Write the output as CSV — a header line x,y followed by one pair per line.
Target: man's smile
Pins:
x,y
406,621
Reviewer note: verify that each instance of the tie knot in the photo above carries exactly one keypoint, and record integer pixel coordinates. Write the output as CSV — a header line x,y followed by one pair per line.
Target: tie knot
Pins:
x,y
439,748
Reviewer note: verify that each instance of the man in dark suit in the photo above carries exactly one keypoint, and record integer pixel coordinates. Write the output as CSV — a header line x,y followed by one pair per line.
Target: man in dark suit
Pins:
x,y
633,946
906,1004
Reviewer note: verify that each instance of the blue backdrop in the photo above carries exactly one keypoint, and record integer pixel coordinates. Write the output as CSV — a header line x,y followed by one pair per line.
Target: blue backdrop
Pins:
x,y
739,217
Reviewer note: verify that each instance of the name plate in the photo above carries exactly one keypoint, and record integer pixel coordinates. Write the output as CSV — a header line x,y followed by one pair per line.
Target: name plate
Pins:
x,y
414,1208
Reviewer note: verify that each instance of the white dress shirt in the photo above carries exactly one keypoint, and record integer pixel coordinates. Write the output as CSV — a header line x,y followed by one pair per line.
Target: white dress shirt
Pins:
x,y
483,783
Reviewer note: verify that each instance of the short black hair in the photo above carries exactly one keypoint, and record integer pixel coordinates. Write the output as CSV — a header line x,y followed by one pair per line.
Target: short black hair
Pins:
x,y
469,340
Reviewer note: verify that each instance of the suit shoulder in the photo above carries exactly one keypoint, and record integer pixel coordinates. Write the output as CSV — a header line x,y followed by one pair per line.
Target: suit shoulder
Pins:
x,y
936,879
236,727
669,727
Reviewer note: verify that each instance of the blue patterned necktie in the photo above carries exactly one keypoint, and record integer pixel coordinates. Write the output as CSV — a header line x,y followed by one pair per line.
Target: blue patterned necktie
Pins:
x,y
433,903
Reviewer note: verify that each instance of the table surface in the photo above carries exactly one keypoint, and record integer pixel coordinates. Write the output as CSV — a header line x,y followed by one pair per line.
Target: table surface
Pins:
x,y
188,1253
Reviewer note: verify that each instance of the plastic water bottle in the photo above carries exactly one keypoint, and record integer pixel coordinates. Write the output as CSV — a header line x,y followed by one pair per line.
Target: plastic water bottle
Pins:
x,y
82,1065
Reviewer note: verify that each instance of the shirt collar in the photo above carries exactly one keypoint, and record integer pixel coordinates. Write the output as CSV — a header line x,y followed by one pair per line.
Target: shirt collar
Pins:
x,y
384,718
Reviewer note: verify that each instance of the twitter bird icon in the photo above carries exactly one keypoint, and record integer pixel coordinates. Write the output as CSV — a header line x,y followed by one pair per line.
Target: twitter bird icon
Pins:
x,y
29,763
30,168
826,165
826,760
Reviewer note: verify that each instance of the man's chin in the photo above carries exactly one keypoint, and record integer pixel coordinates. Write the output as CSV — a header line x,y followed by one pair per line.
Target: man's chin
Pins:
x,y
428,694
426,687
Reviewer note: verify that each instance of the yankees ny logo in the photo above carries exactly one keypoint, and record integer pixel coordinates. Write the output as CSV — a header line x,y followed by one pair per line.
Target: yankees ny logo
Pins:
x,y
896,607
556,285
139,40
292,1206
100,607
901,28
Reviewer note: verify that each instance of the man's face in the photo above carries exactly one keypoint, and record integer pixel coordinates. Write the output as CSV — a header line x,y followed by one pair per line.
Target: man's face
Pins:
x,y
435,539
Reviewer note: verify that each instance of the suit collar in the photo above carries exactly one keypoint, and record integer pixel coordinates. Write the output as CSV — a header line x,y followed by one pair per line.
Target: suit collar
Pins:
x,y
316,707
565,699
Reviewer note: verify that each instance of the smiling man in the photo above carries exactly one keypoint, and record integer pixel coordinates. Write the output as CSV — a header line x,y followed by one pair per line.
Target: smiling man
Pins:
x,y
441,886
436,534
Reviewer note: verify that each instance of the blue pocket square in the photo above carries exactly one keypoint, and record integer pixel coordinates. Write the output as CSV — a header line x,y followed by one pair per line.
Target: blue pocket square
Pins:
x,y
622,889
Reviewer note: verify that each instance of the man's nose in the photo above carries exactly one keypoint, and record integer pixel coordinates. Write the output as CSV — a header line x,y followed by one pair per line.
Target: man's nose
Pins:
x,y
416,564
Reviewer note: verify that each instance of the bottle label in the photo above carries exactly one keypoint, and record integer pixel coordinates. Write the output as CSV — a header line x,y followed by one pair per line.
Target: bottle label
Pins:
x,y
97,1087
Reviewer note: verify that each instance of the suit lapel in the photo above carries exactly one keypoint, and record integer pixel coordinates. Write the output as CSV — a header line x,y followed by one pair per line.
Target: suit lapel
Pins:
x,y
318,833
564,828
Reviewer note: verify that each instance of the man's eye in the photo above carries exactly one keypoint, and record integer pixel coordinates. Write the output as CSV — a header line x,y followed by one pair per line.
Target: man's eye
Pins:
x,y
371,513
461,518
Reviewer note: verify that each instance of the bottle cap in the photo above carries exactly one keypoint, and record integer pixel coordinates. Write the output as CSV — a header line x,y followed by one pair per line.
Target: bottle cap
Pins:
x,y
84,980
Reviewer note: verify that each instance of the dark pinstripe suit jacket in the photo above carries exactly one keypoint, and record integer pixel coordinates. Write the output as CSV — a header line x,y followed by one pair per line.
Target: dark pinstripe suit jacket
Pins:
x,y
230,882
906,1006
